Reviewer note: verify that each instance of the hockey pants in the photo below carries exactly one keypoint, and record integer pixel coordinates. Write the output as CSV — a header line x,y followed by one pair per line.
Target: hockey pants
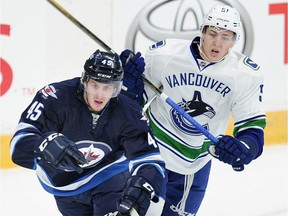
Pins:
x,y
185,192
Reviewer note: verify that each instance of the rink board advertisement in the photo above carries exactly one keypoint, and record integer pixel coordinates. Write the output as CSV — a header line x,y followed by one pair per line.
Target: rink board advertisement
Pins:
x,y
40,45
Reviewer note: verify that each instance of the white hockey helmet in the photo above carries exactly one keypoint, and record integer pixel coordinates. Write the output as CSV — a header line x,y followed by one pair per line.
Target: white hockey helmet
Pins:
x,y
223,16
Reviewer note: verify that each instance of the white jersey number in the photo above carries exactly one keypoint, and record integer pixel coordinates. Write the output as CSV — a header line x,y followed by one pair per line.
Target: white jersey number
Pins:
x,y
151,141
35,111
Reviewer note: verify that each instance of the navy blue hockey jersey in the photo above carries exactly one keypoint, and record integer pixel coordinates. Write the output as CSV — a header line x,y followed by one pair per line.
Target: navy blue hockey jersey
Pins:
x,y
112,142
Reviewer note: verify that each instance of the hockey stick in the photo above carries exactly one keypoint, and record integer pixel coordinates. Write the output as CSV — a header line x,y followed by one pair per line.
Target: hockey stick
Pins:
x,y
81,26
133,212
190,119
162,95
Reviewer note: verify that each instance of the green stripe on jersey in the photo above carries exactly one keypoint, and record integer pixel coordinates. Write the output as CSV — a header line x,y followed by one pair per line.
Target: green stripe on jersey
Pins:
x,y
260,123
180,147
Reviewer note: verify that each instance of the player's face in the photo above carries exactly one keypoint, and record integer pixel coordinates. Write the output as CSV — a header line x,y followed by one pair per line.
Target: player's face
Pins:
x,y
216,43
97,94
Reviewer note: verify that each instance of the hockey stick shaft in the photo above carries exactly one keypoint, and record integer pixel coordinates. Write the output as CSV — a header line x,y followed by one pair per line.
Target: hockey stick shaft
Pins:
x,y
81,26
180,110
133,212
146,81
189,118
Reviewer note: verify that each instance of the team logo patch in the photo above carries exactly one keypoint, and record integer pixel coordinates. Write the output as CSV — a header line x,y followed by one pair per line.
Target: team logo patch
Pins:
x,y
157,45
250,63
93,152
196,108
49,90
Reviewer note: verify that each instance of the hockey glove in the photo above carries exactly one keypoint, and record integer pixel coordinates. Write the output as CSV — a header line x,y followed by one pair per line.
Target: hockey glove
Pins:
x,y
234,151
137,194
134,66
61,152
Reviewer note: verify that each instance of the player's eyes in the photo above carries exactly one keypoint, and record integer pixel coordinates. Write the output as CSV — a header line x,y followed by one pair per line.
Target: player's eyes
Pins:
x,y
109,88
213,35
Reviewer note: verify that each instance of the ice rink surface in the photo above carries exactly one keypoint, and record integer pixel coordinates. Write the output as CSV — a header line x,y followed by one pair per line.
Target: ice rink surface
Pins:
x,y
260,190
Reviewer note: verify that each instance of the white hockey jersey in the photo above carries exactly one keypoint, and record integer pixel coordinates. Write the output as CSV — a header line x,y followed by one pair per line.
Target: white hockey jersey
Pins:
x,y
210,94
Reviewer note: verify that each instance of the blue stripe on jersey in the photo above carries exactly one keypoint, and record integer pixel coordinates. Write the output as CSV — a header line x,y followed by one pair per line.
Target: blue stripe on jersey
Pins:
x,y
86,182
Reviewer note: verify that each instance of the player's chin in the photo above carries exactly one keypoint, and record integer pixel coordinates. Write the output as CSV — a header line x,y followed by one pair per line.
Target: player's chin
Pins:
x,y
215,56
97,107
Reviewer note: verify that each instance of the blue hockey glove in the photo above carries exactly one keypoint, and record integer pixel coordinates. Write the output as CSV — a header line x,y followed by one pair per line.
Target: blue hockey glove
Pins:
x,y
133,66
137,194
61,152
233,151
238,166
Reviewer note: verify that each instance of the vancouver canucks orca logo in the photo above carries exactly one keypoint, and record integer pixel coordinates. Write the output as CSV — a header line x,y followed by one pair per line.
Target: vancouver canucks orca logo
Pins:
x,y
195,108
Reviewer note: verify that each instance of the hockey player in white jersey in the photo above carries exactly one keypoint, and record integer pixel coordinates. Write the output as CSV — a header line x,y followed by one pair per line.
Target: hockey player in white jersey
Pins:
x,y
210,82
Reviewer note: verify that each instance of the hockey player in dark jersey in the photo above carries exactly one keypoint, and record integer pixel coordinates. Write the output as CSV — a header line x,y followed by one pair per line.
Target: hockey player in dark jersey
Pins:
x,y
90,146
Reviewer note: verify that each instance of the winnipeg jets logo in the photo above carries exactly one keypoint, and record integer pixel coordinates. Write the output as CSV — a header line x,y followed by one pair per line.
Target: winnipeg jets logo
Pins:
x,y
93,152
195,108
49,90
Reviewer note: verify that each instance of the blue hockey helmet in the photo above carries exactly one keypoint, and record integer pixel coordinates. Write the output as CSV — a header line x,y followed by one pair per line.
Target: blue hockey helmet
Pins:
x,y
103,67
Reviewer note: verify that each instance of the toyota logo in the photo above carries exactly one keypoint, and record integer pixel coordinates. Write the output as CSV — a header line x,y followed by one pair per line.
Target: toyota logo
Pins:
x,y
162,19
